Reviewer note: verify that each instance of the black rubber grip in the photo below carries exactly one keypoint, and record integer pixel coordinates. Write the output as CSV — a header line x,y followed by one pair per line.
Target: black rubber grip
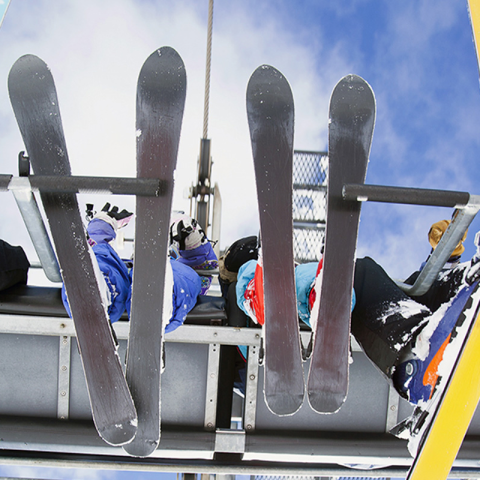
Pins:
x,y
410,196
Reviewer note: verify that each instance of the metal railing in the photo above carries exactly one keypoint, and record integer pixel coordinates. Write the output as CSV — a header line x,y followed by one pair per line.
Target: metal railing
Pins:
x,y
309,204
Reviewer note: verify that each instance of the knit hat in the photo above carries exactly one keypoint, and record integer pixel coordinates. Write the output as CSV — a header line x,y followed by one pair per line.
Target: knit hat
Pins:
x,y
436,232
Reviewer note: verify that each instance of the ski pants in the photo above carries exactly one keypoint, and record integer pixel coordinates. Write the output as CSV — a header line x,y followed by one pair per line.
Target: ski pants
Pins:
x,y
384,319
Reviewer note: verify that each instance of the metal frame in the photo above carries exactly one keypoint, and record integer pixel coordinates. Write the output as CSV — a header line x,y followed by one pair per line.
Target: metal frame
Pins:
x,y
283,451
319,450
213,336
38,233
466,208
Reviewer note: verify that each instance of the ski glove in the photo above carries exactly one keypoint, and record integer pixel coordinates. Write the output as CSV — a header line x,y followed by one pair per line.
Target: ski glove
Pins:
x,y
122,218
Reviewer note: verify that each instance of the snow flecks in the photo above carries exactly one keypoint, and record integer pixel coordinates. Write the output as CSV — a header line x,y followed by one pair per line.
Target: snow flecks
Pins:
x,y
138,133
422,342
451,353
408,308
445,369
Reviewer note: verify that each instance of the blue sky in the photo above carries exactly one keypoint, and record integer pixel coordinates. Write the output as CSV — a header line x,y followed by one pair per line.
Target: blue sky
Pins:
x,y
417,56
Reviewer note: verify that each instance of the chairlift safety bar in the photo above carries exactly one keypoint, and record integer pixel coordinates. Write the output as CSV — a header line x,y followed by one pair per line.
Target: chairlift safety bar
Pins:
x,y
81,184
466,206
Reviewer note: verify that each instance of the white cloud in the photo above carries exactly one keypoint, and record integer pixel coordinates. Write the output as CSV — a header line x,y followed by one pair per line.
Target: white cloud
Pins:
x,y
95,51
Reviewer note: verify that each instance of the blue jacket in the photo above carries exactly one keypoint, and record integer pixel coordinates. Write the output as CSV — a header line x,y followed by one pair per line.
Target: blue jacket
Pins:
x,y
186,289
202,257
304,276
186,282
245,274
117,279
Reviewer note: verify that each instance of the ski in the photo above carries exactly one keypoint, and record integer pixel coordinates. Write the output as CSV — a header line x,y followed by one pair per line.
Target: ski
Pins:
x,y
161,93
34,101
270,113
452,320
352,118
441,424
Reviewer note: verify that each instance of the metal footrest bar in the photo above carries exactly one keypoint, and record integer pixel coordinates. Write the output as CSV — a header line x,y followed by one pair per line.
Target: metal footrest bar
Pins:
x,y
410,196
467,207
80,184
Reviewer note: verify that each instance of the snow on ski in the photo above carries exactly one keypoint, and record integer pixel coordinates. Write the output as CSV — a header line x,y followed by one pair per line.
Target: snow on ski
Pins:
x,y
437,431
34,101
352,118
270,112
444,421
161,93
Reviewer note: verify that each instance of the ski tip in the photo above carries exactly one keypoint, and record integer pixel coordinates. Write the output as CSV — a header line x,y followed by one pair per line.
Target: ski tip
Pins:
x,y
141,447
26,66
28,59
352,80
284,405
266,71
269,100
326,402
163,76
167,56
354,84
168,52
265,75
119,434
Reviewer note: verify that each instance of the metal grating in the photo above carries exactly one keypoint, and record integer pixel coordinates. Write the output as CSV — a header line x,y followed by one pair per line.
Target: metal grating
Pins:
x,y
309,204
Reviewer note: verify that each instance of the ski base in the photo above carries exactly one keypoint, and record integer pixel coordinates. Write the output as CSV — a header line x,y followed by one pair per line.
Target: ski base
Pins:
x,y
352,118
34,101
270,113
161,93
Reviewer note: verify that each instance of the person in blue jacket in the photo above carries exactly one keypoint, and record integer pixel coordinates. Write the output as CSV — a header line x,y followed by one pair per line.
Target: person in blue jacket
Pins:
x,y
117,288
190,246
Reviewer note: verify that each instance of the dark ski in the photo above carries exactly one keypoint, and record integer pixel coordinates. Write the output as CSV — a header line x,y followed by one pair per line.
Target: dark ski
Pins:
x,y
439,424
270,113
453,320
34,101
161,93
352,118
